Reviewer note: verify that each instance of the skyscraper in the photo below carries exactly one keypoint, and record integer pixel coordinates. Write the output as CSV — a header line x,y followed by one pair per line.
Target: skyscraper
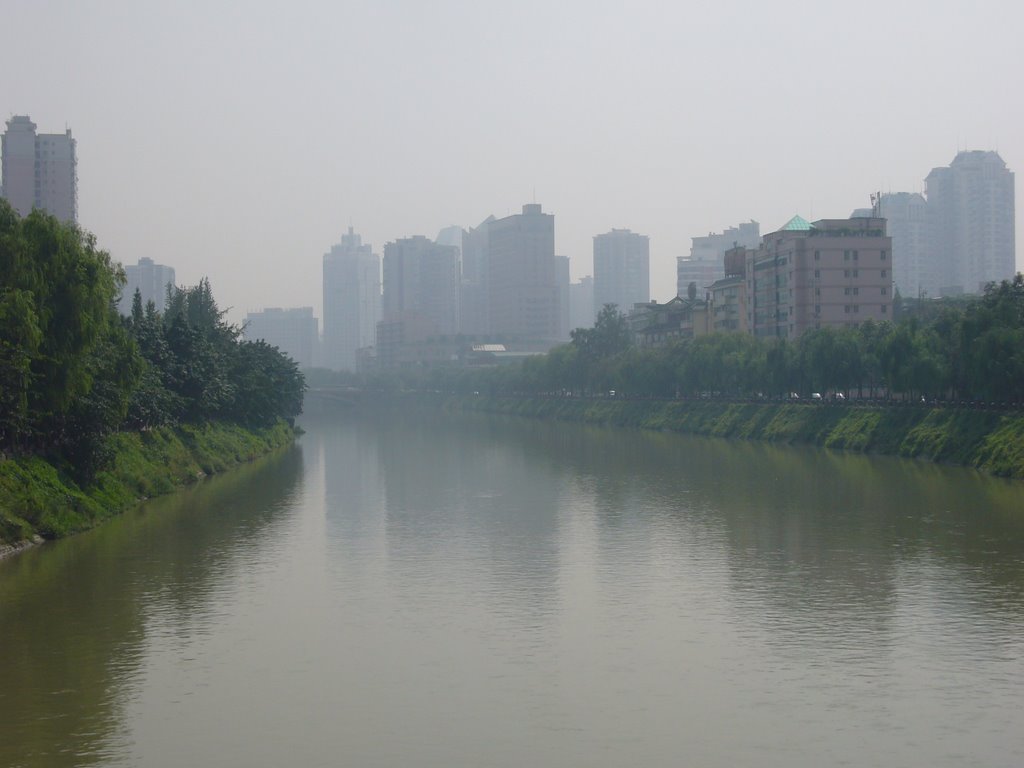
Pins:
x,y
421,284
622,271
914,271
352,301
474,316
971,221
39,170
522,289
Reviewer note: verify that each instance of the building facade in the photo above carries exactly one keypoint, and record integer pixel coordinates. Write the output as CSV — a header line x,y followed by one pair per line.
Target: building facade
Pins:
x,y
622,269
421,285
293,331
352,301
150,280
971,221
729,295
522,289
833,273
39,170
654,325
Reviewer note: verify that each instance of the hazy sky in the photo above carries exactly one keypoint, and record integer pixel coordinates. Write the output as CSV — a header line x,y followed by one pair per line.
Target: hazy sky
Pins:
x,y
239,140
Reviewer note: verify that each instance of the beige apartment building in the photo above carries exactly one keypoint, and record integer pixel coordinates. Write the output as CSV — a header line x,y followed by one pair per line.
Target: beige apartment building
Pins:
x,y
39,170
833,273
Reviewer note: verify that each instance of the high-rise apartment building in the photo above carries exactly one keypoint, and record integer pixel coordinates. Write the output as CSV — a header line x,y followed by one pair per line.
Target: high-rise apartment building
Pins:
x,y
352,301
293,331
832,273
421,285
622,269
914,272
522,289
150,280
971,221
39,170
704,264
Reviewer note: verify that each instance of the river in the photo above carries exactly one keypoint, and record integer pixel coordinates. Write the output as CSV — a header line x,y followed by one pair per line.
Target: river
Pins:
x,y
458,590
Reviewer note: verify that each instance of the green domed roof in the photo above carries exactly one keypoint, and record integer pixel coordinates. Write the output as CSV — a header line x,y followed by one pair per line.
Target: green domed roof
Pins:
x,y
796,224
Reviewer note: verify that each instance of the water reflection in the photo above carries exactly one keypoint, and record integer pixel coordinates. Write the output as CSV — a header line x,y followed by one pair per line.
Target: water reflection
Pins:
x,y
76,616
421,588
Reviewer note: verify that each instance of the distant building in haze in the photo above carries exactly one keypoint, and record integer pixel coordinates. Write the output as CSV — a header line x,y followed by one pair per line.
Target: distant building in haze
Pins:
x,y
474,317
522,289
293,331
150,280
421,285
352,301
581,304
916,270
39,170
704,264
622,271
563,279
971,221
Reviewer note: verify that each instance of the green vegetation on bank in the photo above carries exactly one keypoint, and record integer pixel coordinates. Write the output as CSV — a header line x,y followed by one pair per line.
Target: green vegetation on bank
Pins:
x,y
987,440
38,498
79,383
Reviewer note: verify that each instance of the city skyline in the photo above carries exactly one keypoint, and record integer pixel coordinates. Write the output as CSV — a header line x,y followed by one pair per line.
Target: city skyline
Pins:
x,y
207,162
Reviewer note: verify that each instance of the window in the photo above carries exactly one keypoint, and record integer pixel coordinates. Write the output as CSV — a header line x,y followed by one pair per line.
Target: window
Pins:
x,y
846,308
817,255
817,291
885,273
817,273
855,255
856,272
856,307
856,291
885,291
883,255
846,291
846,255
846,273
884,309
817,309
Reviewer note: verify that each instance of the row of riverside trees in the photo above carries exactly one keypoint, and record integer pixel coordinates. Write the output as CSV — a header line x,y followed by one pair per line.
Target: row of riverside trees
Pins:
x,y
968,350
73,371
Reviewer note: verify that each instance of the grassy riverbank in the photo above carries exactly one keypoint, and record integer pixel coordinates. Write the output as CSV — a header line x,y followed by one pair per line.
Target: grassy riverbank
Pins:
x,y
991,441
39,499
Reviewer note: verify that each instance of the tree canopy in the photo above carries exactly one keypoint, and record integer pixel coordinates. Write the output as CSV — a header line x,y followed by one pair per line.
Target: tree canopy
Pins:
x,y
72,370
